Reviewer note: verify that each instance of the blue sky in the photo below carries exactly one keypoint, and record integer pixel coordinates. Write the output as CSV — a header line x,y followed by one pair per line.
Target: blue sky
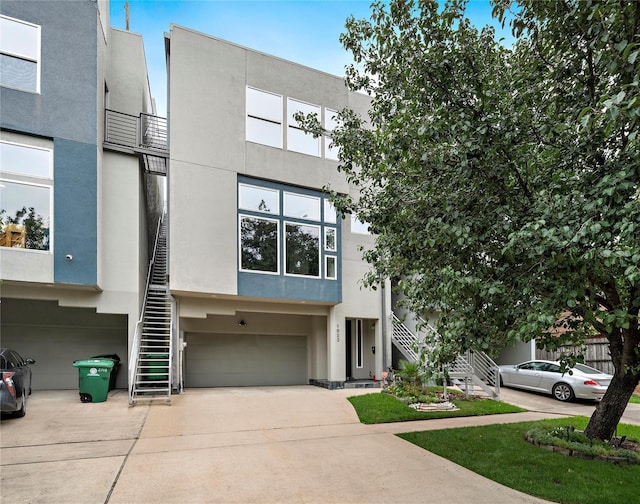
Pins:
x,y
303,31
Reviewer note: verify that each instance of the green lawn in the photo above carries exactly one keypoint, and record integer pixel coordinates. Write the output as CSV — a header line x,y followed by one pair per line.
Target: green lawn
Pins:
x,y
384,408
499,452
635,399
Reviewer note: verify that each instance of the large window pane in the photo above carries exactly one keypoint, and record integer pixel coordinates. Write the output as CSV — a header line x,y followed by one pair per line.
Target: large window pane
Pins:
x,y
264,132
25,215
304,143
25,160
19,38
259,199
18,73
258,244
264,105
302,250
298,140
301,206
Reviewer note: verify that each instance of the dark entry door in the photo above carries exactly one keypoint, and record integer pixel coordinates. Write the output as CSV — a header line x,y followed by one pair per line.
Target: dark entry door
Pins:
x,y
347,342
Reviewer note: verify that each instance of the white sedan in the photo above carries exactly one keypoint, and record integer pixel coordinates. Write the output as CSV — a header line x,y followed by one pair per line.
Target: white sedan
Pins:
x,y
582,382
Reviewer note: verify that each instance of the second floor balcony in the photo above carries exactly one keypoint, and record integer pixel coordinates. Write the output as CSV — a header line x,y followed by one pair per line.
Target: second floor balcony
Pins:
x,y
144,134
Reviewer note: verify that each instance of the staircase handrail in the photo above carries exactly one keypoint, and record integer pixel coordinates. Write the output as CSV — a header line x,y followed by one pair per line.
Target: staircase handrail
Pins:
x,y
137,335
406,339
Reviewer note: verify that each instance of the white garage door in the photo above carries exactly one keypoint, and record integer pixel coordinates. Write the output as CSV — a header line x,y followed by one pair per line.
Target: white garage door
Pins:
x,y
222,360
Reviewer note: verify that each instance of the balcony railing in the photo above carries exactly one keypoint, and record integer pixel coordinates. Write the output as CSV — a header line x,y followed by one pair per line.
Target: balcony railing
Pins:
x,y
137,132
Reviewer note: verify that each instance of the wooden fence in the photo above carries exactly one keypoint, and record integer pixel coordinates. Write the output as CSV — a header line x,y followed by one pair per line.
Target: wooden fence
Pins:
x,y
595,351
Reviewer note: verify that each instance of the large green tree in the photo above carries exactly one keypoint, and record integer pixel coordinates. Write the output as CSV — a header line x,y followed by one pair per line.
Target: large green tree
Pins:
x,y
502,182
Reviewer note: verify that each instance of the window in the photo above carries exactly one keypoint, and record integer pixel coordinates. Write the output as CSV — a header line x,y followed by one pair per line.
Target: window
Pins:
x,y
301,206
25,196
264,118
302,250
330,124
282,231
359,344
297,139
330,268
19,55
329,212
258,244
330,243
259,199
358,226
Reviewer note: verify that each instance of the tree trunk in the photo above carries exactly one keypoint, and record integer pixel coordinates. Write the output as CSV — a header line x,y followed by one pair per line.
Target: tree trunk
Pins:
x,y
605,419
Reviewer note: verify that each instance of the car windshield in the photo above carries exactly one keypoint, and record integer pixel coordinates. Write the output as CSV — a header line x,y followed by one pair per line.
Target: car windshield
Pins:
x,y
587,369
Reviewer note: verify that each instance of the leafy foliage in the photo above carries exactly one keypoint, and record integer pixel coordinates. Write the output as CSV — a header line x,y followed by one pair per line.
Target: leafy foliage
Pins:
x,y
502,183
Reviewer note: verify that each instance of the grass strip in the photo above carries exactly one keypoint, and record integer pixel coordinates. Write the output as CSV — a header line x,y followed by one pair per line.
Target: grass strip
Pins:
x,y
384,408
500,453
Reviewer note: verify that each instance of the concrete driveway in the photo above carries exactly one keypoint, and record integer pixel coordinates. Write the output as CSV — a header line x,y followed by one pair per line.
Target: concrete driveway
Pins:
x,y
250,445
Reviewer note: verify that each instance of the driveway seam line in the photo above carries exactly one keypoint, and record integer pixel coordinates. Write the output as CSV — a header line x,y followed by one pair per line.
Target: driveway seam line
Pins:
x,y
126,457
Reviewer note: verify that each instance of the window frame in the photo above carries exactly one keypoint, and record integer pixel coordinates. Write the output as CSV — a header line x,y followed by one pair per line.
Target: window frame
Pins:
x,y
284,257
327,258
278,245
9,176
285,212
37,58
292,124
254,115
241,206
359,344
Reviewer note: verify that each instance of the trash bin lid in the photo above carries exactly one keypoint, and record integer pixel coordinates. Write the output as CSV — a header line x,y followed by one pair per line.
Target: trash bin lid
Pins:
x,y
108,363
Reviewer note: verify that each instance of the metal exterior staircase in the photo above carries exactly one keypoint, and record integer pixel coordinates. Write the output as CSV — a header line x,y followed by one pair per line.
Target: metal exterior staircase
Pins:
x,y
151,355
473,372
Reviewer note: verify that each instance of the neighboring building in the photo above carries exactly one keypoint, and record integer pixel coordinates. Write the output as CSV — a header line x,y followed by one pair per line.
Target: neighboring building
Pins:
x,y
73,264
265,277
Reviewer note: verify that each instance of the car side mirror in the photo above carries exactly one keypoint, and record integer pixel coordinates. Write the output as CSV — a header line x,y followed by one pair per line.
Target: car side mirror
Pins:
x,y
30,361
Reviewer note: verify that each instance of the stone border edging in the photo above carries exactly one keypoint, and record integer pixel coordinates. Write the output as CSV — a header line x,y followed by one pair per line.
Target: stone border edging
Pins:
x,y
568,452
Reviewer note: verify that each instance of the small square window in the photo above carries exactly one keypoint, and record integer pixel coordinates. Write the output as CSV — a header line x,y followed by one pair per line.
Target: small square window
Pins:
x,y
330,242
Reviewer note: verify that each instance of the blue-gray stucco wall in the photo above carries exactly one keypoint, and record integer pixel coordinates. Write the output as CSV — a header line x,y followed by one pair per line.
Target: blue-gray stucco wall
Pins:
x,y
65,111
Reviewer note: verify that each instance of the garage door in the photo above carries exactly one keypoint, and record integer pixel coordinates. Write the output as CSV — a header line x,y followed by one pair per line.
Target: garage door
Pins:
x,y
221,360
56,336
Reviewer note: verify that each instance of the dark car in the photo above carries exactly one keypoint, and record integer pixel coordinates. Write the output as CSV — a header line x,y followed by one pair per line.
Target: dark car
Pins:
x,y
16,382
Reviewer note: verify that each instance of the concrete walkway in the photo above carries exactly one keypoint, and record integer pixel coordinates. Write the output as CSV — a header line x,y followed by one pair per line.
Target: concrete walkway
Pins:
x,y
247,445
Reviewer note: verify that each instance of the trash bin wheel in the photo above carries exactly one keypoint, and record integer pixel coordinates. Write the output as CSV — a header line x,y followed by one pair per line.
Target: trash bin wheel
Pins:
x,y
86,398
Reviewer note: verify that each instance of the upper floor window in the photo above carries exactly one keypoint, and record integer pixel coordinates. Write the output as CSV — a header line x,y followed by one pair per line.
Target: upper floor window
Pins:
x,y
330,124
19,55
301,206
258,199
264,117
297,139
26,188
359,227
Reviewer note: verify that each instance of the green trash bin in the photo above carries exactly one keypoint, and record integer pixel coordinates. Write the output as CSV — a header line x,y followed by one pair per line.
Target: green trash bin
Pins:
x,y
94,376
156,366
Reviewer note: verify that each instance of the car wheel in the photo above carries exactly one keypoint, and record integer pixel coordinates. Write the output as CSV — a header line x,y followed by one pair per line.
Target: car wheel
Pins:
x,y
22,411
562,392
